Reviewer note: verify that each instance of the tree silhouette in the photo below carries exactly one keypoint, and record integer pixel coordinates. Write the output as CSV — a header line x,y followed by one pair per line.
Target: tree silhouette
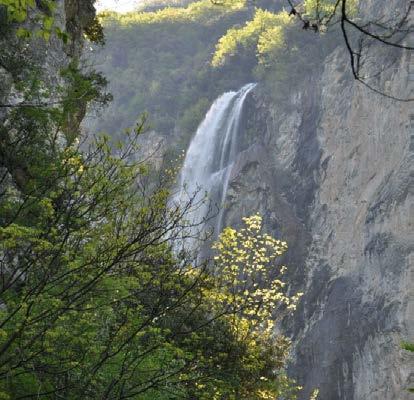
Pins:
x,y
361,34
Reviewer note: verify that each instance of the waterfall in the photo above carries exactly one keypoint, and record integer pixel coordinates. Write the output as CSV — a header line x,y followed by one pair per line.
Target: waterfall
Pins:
x,y
211,154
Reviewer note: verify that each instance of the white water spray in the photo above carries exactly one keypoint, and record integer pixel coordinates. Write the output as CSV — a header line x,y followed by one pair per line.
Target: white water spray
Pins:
x,y
212,152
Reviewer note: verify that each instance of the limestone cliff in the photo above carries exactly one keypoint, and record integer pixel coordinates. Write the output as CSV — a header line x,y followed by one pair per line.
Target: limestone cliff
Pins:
x,y
71,16
37,60
333,174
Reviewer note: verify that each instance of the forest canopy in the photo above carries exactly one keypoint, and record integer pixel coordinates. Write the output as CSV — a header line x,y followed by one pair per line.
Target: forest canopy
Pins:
x,y
174,69
199,11
266,31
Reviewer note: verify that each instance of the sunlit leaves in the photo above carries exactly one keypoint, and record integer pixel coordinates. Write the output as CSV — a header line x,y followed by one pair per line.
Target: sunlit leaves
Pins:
x,y
327,11
245,264
93,291
86,277
195,12
265,32
18,11
250,286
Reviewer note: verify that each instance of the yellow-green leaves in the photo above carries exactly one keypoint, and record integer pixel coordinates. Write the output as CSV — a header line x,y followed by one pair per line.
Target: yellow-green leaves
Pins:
x,y
269,40
324,10
22,33
17,9
18,12
195,12
244,266
265,32
245,263
47,23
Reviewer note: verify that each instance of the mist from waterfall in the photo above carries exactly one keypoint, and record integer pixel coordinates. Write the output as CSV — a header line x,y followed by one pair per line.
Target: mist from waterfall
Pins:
x,y
211,155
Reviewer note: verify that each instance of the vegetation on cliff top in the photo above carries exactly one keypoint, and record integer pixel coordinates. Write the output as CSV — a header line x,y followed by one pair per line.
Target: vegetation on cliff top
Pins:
x,y
161,61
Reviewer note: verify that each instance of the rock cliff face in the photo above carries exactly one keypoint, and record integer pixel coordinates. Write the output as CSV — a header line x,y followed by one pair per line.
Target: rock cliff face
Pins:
x,y
71,16
18,61
332,174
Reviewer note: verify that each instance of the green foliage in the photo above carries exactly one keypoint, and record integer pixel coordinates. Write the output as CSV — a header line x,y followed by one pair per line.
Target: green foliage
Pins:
x,y
265,31
94,32
193,115
244,267
285,53
73,315
95,302
37,18
409,347
163,69
80,89
314,394
285,69
17,11
157,61
328,11
199,11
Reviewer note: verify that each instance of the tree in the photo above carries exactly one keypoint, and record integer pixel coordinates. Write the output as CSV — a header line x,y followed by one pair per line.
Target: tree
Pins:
x,y
95,304
366,38
252,291
360,33
266,31
40,13
85,275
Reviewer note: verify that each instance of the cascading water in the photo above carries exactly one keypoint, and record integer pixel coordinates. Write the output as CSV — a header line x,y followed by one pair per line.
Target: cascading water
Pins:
x,y
212,152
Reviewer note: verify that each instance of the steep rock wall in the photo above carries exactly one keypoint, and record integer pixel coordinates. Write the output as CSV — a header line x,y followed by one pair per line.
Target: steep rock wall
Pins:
x,y
332,174
71,16
18,61
362,228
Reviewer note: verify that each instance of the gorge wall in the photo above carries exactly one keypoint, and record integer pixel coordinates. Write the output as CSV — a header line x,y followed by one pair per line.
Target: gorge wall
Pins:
x,y
50,57
331,170
38,62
